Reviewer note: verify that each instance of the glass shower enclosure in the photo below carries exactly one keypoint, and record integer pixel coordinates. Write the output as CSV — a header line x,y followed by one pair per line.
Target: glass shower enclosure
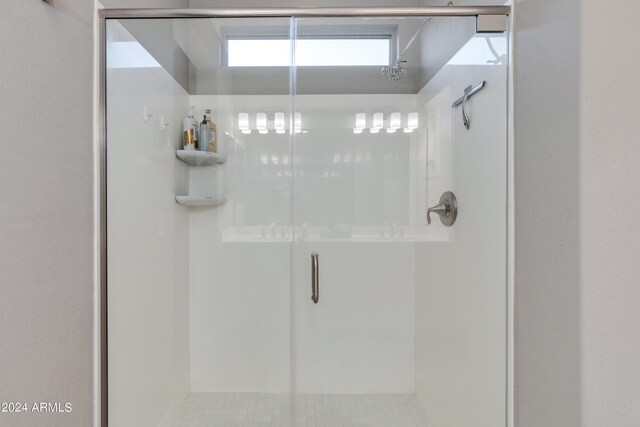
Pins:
x,y
337,254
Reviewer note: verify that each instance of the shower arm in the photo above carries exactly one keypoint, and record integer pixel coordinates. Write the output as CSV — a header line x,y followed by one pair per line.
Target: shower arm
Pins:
x,y
399,59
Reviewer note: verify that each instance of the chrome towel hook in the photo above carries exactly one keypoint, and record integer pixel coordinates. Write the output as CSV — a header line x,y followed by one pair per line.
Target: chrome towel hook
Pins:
x,y
469,91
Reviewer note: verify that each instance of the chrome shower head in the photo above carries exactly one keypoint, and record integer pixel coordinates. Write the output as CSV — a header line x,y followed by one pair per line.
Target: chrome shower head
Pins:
x,y
395,72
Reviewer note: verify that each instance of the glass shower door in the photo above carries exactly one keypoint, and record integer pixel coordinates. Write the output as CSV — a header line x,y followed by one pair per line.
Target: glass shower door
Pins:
x,y
353,205
397,322
199,255
311,275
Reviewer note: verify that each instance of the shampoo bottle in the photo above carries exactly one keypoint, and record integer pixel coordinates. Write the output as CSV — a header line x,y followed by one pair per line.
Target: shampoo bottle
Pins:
x,y
190,131
213,143
205,135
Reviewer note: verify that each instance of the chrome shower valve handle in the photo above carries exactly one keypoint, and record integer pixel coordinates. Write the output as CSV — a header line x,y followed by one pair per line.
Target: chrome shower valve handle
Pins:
x,y
447,209
440,209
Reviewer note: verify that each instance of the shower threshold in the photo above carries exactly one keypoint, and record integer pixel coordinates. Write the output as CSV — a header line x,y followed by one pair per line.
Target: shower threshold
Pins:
x,y
311,410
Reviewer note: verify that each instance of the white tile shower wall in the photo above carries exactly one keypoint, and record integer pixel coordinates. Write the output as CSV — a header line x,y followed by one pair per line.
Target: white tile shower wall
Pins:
x,y
361,336
240,294
461,285
147,247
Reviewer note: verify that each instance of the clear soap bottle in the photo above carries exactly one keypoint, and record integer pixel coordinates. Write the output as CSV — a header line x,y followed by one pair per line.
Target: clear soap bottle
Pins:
x,y
204,137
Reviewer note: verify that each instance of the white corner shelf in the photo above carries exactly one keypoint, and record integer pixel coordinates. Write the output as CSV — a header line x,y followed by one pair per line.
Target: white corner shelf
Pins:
x,y
199,158
201,200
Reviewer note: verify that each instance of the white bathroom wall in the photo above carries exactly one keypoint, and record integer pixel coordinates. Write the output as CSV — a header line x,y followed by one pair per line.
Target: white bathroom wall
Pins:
x,y
461,289
547,241
46,292
610,179
148,250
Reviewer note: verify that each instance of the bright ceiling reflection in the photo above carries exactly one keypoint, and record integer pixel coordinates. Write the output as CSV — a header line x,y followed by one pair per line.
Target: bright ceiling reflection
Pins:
x,y
482,50
129,55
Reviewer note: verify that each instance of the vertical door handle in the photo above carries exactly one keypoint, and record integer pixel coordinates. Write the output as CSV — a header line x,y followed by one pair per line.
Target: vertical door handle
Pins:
x,y
315,278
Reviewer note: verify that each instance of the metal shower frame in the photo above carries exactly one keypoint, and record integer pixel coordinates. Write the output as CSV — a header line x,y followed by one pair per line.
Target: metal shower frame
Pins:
x,y
489,14
306,12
